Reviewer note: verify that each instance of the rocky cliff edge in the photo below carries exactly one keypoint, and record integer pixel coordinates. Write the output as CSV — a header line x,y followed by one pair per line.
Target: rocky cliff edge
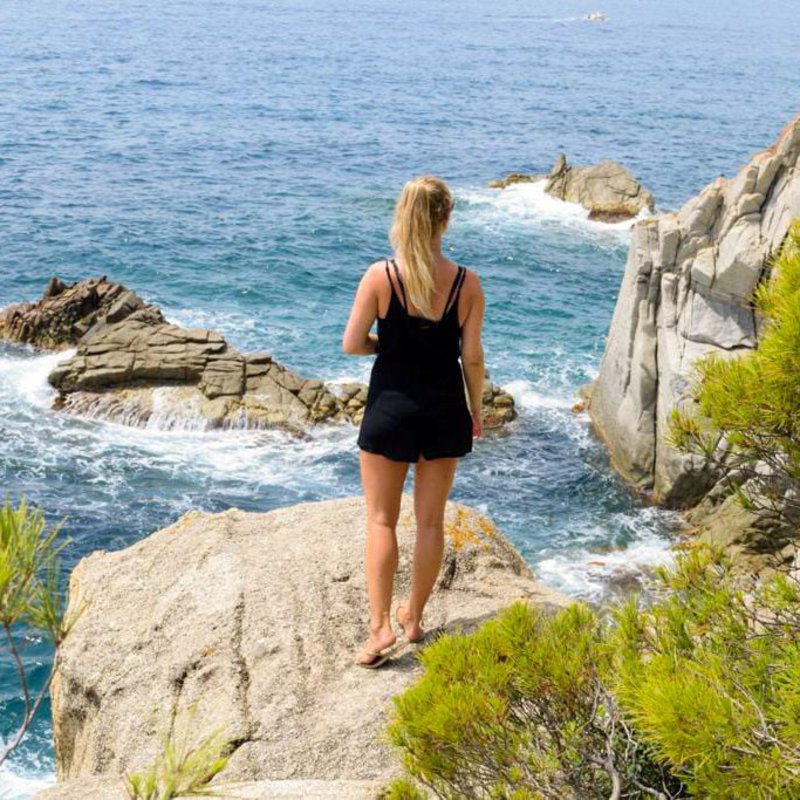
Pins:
x,y
252,621
685,293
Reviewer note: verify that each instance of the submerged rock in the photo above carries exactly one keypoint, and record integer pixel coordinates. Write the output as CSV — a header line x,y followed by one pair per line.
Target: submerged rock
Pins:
x,y
517,177
256,618
685,293
132,366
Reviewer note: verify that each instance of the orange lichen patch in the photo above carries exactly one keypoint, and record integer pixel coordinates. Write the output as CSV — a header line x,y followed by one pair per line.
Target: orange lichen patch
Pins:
x,y
469,527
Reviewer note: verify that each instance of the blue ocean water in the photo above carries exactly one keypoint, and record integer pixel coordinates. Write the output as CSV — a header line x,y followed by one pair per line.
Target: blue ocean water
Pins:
x,y
237,163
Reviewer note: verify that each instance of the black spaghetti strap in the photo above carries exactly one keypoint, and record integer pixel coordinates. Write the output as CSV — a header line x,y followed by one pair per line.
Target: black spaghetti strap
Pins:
x,y
453,291
391,282
402,288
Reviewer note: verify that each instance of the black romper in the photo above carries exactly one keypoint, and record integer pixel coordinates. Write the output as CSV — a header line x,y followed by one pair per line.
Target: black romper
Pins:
x,y
416,401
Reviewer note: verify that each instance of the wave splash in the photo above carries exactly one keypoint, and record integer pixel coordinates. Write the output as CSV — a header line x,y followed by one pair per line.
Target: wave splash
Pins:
x,y
527,204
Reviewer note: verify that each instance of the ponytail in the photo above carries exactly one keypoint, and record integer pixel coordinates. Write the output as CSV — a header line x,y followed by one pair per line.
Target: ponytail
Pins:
x,y
421,211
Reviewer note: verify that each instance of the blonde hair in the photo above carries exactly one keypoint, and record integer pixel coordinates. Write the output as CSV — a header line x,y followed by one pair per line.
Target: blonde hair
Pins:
x,y
421,211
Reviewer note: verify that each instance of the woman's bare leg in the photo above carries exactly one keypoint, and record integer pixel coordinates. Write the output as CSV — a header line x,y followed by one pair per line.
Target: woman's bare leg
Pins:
x,y
432,483
383,480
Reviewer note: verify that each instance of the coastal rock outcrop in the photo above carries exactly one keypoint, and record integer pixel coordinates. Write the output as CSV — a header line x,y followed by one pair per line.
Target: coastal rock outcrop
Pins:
x,y
132,366
67,312
608,190
251,621
685,293
133,370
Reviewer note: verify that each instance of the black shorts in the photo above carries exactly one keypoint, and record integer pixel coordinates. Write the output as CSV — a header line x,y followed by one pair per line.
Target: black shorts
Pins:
x,y
401,424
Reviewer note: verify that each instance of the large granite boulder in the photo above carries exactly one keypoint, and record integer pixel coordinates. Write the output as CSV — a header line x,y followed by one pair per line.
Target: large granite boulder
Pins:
x,y
252,621
608,190
132,366
686,292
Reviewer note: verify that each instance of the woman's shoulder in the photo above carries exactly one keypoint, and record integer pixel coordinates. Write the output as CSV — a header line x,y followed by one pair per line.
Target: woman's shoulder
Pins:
x,y
471,280
379,265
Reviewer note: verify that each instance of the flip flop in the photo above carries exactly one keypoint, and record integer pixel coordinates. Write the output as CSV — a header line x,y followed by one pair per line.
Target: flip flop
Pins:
x,y
397,617
379,657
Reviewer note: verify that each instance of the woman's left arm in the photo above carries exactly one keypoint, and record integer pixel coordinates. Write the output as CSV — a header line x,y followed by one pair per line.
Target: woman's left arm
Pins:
x,y
357,339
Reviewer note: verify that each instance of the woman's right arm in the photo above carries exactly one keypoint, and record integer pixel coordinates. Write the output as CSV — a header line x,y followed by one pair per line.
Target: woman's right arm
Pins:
x,y
472,350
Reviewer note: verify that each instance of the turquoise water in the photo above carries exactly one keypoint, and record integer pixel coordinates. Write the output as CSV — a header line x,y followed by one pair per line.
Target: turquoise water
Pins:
x,y
237,164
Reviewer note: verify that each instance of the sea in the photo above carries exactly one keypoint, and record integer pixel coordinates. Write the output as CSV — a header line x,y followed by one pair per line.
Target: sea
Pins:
x,y
237,163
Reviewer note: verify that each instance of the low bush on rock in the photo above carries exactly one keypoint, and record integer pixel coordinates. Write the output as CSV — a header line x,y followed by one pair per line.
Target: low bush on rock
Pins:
x,y
695,692
183,769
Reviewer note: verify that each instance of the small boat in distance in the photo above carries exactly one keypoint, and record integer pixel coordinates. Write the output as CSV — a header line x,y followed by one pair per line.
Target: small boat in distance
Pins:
x,y
596,16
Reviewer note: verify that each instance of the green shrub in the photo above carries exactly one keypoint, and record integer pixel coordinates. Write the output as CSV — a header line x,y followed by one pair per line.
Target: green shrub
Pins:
x,y
709,676
400,789
746,415
30,597
182,769
518,710
694,693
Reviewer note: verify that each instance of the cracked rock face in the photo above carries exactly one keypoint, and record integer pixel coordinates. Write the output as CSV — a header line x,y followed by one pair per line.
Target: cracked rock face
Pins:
x,y
685,293
252,621
65,313
131,366
134,372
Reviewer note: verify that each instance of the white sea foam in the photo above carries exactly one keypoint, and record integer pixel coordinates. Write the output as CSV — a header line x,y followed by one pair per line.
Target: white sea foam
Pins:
x,y
107,452
528,204
591,571
24,776
20,786
26,377
229,323
527,395
541,399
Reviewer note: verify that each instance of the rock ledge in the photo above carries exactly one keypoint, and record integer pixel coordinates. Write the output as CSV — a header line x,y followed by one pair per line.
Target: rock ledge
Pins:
x,y
252,620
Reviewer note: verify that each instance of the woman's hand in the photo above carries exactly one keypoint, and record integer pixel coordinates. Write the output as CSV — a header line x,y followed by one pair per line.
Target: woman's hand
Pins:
x,y
477,424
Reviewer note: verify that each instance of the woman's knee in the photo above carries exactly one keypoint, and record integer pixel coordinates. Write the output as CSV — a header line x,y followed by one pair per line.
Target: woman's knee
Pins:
x,y
383,518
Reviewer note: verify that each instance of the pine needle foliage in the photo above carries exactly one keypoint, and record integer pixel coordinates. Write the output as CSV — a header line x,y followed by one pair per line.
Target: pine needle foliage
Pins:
x,y
745,415
708,676
691,692
518,710
30,597
182,769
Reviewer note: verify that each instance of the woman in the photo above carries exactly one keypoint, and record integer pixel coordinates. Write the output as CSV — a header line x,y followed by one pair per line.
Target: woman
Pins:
x,y
430,313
